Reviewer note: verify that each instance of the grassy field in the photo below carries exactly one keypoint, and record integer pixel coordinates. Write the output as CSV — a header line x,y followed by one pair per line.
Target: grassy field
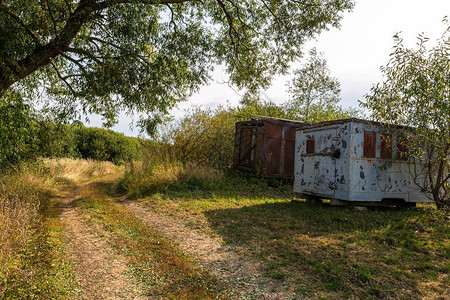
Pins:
x,y
319,251
311,251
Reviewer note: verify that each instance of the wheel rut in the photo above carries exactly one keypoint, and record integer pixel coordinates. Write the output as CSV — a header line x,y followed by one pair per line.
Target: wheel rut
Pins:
x,y
99,270
242,276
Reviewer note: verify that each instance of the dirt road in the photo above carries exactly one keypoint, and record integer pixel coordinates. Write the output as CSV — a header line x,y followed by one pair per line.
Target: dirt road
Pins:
x,y
103,273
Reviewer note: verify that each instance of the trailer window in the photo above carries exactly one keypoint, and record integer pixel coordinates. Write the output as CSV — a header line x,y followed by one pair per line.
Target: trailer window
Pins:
x,y
370,139
402,148
310,146
386,146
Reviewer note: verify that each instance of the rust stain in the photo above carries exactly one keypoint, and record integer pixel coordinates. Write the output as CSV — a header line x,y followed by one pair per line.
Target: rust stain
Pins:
x,y
369,145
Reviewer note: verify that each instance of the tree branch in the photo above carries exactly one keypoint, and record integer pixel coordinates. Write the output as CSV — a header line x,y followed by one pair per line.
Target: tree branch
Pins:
x,y
83,70
62,78
231,29
111,3
51,16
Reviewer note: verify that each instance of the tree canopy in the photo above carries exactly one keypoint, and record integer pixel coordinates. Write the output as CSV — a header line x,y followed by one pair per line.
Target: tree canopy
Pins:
x,y
416,93
103,56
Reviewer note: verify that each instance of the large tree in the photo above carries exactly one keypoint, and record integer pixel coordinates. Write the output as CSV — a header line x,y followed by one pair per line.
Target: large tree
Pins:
x,y
416,93
103,56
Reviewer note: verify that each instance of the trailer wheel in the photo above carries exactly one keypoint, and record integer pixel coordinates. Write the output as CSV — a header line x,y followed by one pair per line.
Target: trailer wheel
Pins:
x,y
313,199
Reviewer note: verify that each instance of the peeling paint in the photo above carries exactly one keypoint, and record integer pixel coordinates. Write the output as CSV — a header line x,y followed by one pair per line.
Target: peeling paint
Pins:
x,y
354,178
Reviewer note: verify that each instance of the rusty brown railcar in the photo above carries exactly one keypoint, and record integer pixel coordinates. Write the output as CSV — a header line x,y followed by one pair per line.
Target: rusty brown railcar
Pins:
x,y
266,146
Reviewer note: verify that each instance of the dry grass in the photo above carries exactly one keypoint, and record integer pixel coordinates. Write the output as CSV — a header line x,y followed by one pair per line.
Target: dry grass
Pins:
x,y
160,169
19,204
78,170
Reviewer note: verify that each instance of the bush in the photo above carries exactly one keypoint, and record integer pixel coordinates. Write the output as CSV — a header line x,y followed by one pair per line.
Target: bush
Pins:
x,y
105,144
78,141
206,136
17,133
56,140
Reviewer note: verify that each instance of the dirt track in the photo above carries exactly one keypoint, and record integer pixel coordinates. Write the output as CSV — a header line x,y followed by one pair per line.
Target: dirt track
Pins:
x,y
102,272
99,270
242,276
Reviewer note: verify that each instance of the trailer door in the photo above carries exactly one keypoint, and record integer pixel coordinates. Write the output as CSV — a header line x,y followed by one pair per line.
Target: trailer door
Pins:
x,y
319,160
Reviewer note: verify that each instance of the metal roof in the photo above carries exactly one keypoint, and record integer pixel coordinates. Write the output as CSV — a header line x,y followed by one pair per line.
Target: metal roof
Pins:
x,y
271,119
352,120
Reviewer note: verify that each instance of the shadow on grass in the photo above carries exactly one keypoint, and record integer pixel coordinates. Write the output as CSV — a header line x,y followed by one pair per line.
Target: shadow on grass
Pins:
x,y
323,249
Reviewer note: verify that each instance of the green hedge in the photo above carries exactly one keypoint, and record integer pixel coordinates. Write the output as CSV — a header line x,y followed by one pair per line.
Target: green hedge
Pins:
x,y
105,144
25,136
18,140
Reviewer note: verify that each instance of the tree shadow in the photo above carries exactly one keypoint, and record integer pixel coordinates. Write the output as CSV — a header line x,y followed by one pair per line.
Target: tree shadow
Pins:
x,y
368,253
285,219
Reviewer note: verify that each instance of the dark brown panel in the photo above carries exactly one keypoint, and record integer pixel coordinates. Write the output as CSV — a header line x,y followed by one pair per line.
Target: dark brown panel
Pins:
x,y
386,146
272,150
289,133
246,147
370,139
310,146
289,158
273,130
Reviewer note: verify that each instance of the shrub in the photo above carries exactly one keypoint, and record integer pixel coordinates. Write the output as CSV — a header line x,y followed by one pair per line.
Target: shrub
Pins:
x,y
17,134
56,140
105,144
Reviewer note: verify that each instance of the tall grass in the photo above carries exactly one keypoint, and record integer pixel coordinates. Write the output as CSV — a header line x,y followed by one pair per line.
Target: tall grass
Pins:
x,y
160,168
30,264
20,193
77,170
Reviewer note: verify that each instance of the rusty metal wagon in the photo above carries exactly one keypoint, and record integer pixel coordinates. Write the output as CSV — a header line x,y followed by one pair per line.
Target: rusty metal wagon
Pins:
x,y
265,146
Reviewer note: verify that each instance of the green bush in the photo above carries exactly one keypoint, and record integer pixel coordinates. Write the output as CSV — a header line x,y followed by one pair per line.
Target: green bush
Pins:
x,y
25,136
105,144
17,132
56,140
206,136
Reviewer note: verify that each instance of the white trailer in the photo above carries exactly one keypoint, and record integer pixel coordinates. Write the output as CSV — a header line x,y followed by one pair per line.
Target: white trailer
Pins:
x,y
355,162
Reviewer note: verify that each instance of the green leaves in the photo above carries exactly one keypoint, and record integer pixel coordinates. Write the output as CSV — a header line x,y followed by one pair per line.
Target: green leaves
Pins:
x,y
416,93
17,135
145,56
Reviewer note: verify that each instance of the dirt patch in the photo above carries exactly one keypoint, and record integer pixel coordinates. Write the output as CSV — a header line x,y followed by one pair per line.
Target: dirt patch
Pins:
x,y
242,276
99,270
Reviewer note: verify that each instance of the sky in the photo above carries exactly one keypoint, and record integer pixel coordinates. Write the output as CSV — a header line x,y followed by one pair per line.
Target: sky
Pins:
x,y
354,53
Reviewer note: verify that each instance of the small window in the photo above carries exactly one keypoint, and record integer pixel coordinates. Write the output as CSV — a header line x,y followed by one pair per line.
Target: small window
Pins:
x,y
402,148
386,146
310,146
370,139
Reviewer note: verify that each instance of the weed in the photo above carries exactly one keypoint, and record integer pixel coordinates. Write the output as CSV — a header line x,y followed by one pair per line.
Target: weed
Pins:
x,y
277,275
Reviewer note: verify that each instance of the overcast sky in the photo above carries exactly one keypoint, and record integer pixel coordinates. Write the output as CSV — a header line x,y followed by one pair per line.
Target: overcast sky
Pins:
x,y
355,52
